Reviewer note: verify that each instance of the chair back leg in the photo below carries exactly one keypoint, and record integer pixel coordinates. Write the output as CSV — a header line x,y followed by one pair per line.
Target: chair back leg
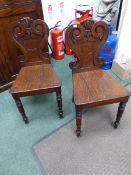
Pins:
x,y
59,102
78,122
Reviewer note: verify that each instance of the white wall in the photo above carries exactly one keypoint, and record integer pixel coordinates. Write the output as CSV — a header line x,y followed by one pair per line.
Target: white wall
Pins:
x,y
56,12
69,12
124,44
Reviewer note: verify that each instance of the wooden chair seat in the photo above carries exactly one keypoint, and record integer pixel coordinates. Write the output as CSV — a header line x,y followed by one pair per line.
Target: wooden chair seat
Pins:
x,y
35,79
96,87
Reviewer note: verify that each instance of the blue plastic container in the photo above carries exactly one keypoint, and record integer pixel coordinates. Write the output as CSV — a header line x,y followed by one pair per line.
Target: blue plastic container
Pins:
x,y
109,49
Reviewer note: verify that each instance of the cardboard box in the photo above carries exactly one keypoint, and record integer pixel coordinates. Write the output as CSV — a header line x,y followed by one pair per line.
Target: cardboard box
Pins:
x,y
122,70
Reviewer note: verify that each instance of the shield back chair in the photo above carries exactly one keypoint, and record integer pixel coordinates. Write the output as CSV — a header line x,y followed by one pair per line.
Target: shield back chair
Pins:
x,y
36,75
92,86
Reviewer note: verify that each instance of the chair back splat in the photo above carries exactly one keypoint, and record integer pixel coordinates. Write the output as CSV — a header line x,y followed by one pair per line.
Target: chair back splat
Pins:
x,y
86,40
31,37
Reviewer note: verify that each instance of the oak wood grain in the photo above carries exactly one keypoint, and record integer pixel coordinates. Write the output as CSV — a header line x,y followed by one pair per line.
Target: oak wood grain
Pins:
x,y
86,40
91,86
35,79
37,75
96,86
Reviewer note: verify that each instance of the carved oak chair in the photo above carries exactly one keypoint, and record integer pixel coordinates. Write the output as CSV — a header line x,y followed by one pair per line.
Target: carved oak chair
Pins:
x,y
92,86
36,75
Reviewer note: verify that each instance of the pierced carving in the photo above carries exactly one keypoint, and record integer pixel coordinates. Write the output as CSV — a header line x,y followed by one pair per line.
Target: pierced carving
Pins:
x,y
74,65
31,37
86,40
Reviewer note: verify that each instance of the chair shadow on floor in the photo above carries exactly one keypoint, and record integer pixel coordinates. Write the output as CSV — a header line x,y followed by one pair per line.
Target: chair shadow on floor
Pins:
x,y
98,120
37,106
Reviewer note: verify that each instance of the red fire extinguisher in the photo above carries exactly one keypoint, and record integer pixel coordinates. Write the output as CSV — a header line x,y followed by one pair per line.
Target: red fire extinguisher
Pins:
x,y
57,42
68,51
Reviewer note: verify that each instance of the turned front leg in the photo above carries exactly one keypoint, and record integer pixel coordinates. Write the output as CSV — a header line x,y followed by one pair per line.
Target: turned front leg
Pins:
x,y
78,122
21,109
121,109
59,102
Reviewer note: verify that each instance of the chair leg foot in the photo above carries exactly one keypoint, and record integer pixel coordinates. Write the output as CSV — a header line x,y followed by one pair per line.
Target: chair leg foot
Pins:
x,y
78,123
60,114
121,109
78,133
59,102
116,124
26,121
21,109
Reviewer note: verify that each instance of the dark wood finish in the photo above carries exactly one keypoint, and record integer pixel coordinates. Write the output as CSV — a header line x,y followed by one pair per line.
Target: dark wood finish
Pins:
x,y
31,37
78,121
59,102
96,88
35,79
121,109
92,86
37,75
86,40
20,108
10,56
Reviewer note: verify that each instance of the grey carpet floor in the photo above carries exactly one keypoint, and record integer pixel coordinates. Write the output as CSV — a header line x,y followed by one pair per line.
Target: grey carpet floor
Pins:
x,y
100,150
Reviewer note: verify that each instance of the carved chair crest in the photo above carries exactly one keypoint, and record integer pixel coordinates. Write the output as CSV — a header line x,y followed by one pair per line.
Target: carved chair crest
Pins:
x,y
86,40
31,37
